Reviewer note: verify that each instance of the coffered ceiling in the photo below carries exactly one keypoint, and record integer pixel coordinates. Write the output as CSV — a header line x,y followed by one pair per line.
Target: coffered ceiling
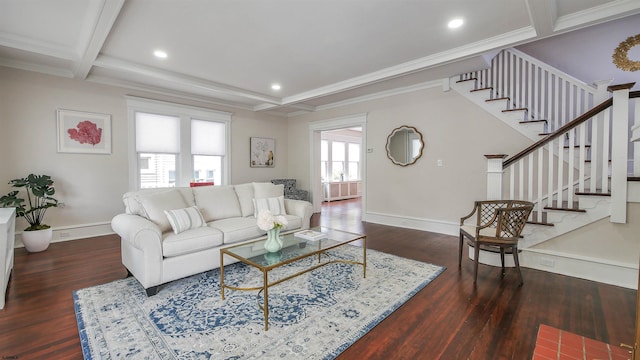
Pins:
x,y
320,52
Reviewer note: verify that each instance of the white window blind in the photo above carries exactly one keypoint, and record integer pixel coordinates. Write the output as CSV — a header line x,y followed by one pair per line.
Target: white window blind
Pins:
x,y
208,138
157,133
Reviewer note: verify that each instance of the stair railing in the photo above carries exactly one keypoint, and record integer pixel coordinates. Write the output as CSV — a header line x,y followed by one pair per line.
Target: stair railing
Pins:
x,y
545,93
586,155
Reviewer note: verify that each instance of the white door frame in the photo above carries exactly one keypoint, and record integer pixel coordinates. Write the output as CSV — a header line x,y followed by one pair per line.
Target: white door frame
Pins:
x,y
315,128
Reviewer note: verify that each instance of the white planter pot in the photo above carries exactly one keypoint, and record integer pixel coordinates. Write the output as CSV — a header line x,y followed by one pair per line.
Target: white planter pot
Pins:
x,y
38,240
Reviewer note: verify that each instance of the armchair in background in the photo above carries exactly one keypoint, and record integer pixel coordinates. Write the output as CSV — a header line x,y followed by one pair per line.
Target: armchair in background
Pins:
x,y
290,191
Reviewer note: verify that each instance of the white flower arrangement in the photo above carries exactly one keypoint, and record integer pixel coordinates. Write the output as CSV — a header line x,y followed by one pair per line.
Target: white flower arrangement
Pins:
x,y
267,221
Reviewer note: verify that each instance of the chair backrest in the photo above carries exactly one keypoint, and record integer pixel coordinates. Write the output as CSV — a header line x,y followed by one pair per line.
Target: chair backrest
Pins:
x,y
511,220
486,211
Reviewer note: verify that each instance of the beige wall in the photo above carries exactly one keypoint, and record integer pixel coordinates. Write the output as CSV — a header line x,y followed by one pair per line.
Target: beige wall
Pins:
x,y
92,185
454,130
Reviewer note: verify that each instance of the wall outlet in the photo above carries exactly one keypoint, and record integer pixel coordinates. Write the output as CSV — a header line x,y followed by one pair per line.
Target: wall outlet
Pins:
x,y
369,150
440,162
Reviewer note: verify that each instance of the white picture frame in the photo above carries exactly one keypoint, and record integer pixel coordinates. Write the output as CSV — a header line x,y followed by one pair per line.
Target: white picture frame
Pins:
x,y
262,152
83,132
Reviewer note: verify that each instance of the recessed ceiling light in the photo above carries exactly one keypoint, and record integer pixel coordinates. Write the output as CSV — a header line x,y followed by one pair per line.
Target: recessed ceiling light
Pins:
x,y
275,87
160,54
455,23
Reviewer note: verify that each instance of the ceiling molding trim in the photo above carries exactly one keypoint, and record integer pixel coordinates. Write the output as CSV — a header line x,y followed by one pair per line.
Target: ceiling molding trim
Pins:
x,y
409,67
119,65
543,15
382,94
597,14
37,47
98,30
164,92
43,69
303,107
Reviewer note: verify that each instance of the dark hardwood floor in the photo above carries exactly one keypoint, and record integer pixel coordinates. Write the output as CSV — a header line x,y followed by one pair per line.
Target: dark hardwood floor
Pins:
x,y
449,319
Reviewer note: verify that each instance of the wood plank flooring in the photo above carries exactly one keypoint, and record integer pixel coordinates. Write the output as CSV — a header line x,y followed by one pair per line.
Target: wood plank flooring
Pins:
x,y
449,319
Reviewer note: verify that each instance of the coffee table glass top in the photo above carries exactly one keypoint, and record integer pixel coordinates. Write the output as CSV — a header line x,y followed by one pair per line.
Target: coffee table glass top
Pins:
x,y
293,248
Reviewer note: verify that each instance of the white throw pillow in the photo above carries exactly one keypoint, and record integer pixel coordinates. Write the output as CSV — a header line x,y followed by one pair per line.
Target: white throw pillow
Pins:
x,y
274,204
185,219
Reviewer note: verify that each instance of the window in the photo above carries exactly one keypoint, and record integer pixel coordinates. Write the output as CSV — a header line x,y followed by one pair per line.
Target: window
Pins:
x,y
339,159
176,144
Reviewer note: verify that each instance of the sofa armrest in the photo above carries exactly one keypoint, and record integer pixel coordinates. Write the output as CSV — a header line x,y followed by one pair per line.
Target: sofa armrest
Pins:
x,y
300,208
141,233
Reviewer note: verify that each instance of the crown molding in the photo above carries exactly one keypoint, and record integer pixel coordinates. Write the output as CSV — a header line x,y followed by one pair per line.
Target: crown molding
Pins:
x,y
43,69
597,14
125,67
37,46
424,63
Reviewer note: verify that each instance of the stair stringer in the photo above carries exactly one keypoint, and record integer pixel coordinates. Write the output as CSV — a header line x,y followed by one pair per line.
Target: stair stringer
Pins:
x,y
512,119
597,208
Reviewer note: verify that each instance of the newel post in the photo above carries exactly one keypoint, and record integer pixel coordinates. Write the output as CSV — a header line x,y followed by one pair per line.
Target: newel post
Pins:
x,y
494,176
619,151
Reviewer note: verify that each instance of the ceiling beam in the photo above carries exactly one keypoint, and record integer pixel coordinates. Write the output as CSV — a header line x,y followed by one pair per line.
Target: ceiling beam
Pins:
x,y
543,15
99,31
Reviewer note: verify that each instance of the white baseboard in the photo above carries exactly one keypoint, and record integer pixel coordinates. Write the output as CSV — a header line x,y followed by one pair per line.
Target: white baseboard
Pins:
x,y
437,226
600,270
74,232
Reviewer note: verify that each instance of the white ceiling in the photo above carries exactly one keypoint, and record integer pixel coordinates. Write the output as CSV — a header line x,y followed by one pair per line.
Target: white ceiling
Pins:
x,y
321,52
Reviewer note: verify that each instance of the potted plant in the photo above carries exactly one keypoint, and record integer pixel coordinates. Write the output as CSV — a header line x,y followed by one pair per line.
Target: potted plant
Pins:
x,y
39,193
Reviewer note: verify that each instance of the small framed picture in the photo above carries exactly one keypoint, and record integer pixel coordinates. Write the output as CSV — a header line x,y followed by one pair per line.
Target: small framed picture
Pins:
x,y
83,132
262,152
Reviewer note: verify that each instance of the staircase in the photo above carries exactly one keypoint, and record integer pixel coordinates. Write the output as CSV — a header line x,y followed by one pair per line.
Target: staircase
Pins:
x,y
576,168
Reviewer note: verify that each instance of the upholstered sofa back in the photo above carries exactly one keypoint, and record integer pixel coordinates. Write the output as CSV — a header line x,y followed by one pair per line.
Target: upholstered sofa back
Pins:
x,y
214,202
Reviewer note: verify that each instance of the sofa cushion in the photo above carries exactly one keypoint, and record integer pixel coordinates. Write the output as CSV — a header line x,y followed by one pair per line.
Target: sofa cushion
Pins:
x,y
154,205
267,190
275,205
237,229
245,197
293,222
133,200
191,241
217,202
185,219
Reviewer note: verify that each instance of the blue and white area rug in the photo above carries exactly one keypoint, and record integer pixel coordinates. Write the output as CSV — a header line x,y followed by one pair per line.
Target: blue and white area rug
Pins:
x,y
313,316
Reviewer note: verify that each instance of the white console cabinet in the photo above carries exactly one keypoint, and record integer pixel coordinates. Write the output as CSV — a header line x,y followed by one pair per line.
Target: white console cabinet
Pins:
x,y
339,190
7,240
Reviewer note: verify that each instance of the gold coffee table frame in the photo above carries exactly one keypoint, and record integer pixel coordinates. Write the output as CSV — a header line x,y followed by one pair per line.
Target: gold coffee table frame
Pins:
x,y
294,249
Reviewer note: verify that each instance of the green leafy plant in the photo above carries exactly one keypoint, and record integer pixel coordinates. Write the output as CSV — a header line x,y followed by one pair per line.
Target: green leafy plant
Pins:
x,y
39,190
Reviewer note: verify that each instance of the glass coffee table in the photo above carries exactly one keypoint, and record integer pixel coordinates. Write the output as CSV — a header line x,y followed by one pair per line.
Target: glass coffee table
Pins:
x,y
294,249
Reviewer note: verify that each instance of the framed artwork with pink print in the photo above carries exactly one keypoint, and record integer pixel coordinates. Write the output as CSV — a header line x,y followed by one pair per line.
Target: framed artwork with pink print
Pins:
x,y
83,132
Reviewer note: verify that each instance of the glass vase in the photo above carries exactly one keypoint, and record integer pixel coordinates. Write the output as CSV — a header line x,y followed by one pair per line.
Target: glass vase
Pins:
x,y
273,243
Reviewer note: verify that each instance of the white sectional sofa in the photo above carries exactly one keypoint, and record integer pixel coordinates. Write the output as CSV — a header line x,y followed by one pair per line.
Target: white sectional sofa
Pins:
x,y
156,250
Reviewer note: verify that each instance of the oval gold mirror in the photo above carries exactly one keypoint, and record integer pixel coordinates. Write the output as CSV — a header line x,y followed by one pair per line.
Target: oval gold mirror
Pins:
x,y
404,145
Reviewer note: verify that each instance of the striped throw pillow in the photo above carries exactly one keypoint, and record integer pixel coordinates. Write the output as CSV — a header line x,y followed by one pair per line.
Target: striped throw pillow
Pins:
x,y
185,219
273,204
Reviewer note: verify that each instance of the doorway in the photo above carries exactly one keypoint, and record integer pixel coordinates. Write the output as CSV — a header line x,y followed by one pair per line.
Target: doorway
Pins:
x,y
347,173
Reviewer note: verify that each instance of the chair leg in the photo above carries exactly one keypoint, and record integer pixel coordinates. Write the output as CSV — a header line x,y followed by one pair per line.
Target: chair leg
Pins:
x,y
502,260
460,251
476,249
517,262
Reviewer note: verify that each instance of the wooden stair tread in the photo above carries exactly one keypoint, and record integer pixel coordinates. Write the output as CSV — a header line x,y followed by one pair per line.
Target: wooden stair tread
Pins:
x,y
564,206
482,89
597,193
516,109
633,178
497,99
470,79
532,121
543,221
577,146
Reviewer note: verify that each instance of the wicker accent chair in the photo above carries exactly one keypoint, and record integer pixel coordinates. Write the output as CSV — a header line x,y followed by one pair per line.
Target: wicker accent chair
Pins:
x,y
290,191
498,226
